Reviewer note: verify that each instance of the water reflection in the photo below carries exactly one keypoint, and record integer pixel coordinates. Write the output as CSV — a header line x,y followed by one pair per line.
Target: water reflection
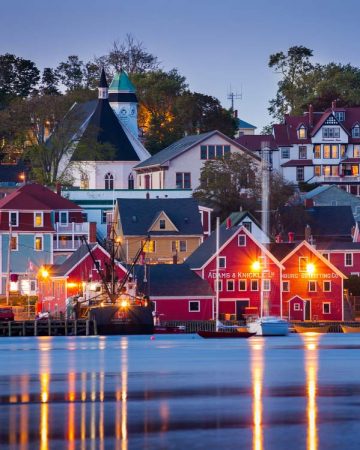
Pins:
x,y
311,341
45,363
257,370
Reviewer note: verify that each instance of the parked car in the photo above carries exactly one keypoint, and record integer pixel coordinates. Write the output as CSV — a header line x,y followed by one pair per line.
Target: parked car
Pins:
x,y
6,314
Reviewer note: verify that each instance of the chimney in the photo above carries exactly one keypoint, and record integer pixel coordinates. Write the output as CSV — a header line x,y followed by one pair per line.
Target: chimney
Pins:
x,y
307,233
333,104
309,203
311,115
58,188
291,236
228,223
278,238
236,113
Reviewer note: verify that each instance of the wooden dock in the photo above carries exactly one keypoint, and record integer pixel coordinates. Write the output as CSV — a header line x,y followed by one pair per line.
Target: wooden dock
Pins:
x,y
48,327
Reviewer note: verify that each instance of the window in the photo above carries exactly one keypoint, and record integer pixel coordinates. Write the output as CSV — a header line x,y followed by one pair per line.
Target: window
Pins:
x,y
254,285
302,132
84,217
64,217
348,259
14,218
297,307
326,151
211,151
38,244
241,240
334,151
266,285
326,308
227,150
247,225
340,115
326,256
203,152
331,132
317,151
355,131
302,152
286,286
38,219
220,285
356,151
104,213
97,264
285,153
242,285
14,243
131,181
178,246
148,246
302,263
162,224
230,285
194,306
222,262
183,180
84,181
109,181
312,286
214,151
342,150
317,171
299,174
327,286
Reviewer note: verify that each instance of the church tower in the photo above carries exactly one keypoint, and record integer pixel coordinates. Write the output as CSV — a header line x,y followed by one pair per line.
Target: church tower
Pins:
x,y
123,100
103,86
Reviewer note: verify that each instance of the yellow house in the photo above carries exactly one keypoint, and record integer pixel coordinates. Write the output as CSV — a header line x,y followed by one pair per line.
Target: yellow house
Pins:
x,y
163,230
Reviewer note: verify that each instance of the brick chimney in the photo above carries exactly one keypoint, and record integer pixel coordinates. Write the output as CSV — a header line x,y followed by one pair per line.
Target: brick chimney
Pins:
x,y
291,236
333,104
58,188
236,113
307,233
228,223
311,115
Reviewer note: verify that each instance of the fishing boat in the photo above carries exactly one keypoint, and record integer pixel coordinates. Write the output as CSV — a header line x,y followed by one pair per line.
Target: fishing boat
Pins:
x,y
220,334
165,329
350,329
321,328
269,326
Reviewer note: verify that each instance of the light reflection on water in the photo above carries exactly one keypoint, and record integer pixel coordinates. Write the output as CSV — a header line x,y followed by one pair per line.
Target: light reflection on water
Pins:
x,y
105,393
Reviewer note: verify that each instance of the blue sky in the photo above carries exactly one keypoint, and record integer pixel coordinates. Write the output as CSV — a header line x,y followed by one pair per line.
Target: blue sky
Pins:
x,y
214,44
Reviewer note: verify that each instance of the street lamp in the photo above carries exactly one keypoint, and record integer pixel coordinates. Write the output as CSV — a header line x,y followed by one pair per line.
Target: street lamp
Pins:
x,y
310,268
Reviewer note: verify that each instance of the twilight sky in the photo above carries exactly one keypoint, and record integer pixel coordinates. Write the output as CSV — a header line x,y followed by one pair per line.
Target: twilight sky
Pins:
x,y
214,44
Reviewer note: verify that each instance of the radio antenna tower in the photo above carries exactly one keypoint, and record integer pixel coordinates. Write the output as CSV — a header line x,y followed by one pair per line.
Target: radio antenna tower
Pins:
x,y
234,96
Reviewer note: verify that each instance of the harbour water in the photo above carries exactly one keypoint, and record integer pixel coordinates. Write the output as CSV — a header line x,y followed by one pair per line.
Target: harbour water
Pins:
x,y
176,392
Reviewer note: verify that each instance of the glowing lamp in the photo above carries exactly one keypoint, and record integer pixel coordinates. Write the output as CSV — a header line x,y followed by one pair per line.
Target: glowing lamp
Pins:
x,y
44,273
310,268
256,266
124,303
71,285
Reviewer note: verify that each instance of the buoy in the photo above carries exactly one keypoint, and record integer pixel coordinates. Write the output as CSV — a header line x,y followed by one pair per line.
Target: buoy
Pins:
x,y
152,338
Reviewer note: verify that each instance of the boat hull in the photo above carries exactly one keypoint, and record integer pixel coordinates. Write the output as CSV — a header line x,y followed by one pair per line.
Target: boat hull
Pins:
x,y
225,334
350,329
158,329
263,327
318,329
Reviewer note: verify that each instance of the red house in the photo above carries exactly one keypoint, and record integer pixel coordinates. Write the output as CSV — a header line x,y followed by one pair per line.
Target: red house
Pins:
x,y
248,273
344,255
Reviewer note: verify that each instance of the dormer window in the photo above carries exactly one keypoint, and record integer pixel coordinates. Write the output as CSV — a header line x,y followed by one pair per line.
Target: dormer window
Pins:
x,y
302,132
340,115
162,225
14,218
38,219
355,131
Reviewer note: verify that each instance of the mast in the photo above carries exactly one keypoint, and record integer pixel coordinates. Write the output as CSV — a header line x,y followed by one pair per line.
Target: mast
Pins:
x,y
265,175
217,274
8,263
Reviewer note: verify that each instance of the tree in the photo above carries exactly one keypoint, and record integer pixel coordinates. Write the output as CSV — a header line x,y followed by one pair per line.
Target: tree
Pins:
x,y
294,66
49,82
71,73
18,78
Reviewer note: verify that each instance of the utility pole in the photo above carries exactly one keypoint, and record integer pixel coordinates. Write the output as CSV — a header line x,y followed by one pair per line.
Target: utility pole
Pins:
x,y
234,96
8,264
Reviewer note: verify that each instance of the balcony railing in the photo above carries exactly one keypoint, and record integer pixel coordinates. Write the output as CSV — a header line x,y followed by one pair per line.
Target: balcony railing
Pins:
x,y
337,179
66,245
72,228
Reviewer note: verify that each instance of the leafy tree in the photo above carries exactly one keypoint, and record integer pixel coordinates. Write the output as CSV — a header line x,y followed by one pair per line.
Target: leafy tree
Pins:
x,y
18,78
294,66
71,73
49,82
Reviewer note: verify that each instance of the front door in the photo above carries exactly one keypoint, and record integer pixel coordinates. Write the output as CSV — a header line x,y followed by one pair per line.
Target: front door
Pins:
x,y
240,308
307,310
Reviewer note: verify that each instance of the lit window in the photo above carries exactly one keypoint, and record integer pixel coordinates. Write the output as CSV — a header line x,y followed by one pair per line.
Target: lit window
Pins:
x,y
38,219
222,262
302,132
194,306
149,246
312,286
14,218
162,224
266,285
334,151
286,286
327,286
242,285
303,261
356,151
317,171
317,151
84,181
230,285
14,243
326,151
254,285
241,240
348,259
38,243
326,308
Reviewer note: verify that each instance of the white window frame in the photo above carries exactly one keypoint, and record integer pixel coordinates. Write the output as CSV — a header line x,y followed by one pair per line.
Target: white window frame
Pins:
x,y
251,285
324,283
64,224
244,237
220,285
160,222
306,259
285,151
42,242
17,242
227,285
287,283
323,307
98,261
300,129
310,284
180,241
194,301
297,307
222,258
17,218
352,259
300,170
42,219
264,287
245,281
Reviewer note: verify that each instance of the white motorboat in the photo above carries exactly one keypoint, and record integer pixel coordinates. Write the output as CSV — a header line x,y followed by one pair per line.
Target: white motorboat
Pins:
x,y
269,326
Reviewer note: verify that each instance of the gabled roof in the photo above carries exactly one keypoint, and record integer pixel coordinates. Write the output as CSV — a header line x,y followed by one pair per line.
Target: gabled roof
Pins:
x,y
253,141
281,249
318,190
238,216
137,216
323,119
337,245
35,197
317,254
181,146
297,163
243,124
206,252
184,282
165,217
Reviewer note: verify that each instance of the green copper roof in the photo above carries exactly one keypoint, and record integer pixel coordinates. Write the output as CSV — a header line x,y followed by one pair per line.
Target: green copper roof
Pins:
x,y
121,82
